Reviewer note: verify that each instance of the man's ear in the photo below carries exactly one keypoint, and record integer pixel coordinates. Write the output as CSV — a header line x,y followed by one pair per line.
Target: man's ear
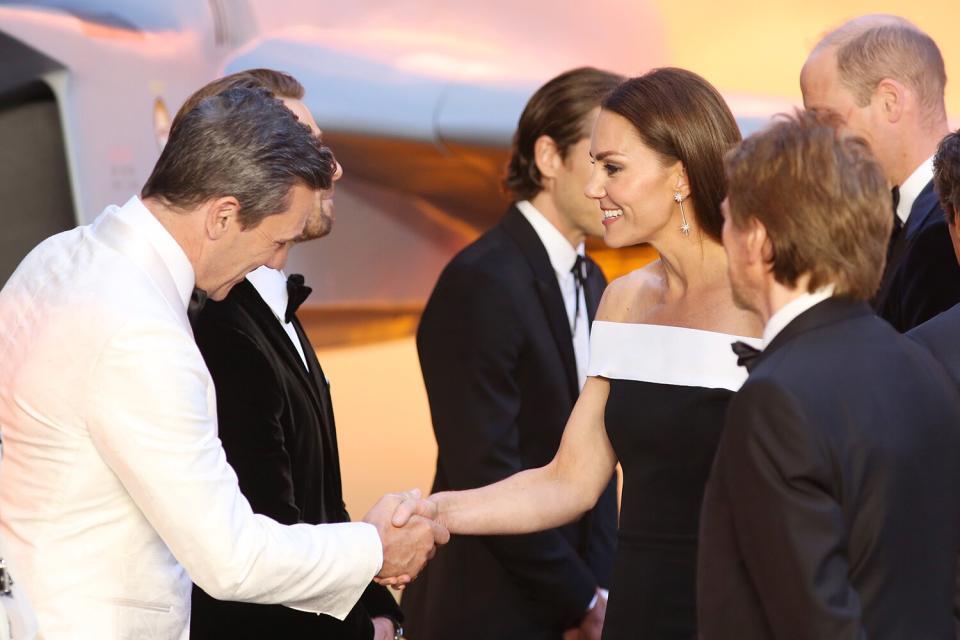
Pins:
x,y
757,242
547,156
891,96
220,214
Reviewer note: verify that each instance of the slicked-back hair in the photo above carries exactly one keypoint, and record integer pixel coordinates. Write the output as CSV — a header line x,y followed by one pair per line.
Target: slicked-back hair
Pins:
x,y
682,117
872,48
558,109
946,175
242,143
280,84
822,197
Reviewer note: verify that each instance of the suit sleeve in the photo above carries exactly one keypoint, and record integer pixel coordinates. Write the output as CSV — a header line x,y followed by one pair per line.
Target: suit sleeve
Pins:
x,y
249,414
471,348
601,521
163,447
789,524
930,277
379,603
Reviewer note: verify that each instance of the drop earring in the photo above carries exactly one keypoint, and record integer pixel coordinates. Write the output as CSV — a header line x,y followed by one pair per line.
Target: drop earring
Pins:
x,y
684,226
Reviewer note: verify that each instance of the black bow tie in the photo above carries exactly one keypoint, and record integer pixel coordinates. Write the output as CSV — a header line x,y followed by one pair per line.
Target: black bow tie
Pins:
x,y
197,299
297,292
746,355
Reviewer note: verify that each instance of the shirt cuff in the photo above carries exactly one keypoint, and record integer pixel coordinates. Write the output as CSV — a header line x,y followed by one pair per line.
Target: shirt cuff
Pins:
x,y
369,532
602,593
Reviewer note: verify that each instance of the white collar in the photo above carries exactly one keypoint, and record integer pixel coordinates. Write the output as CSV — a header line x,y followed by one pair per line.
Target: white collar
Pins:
x,y
912,187
789,312
136,215
562,255
272,287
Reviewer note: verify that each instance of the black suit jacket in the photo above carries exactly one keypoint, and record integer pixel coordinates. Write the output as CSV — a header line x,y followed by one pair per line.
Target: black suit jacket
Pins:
x,y
833,508
922,277
941,336
276,424
497,356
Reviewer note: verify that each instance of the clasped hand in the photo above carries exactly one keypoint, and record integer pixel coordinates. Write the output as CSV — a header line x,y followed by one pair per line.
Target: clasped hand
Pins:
x,y
410,534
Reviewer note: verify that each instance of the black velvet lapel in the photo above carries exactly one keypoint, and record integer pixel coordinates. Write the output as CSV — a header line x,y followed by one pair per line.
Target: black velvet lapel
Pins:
x,y
545,282
330,447
312,382
263,317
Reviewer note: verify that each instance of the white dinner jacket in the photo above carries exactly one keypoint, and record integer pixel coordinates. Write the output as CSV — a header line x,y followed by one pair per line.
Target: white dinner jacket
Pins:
x,y
114,488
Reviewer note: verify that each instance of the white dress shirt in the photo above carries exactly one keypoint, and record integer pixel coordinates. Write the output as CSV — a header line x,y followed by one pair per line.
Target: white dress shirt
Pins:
x,y
912,187
272,287
562,257
789,312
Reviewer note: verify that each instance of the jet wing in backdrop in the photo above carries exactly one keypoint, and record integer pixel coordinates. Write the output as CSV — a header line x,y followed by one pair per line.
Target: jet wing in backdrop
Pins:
x,y
417,99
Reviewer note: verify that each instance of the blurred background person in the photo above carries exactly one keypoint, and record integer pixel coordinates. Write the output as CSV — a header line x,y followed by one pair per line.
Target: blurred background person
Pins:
x,y
503,346
661,370
275,415
942,333
833,507
886,79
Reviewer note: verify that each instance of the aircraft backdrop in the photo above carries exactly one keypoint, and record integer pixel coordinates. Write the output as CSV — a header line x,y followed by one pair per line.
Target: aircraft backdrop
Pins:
x,y
418,98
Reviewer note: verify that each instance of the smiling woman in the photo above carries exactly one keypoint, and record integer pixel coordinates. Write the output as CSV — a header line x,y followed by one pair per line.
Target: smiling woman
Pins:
x,y
661,369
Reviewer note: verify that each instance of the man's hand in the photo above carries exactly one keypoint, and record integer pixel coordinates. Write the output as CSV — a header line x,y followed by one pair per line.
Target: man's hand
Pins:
x,y
383,629
414,505
406,549
592,624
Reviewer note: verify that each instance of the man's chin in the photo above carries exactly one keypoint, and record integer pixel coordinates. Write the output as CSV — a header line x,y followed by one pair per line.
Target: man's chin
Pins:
x,y
316,231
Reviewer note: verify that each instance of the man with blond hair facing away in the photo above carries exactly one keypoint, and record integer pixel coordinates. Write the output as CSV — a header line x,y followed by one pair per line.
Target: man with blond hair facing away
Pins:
x,y
886,78
833,508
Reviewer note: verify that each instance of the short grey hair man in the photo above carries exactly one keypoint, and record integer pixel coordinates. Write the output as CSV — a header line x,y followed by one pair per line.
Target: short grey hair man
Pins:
x,y
885,77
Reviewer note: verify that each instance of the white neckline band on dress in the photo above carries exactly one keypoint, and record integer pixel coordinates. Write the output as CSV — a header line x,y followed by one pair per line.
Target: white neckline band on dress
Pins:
x,y
666,354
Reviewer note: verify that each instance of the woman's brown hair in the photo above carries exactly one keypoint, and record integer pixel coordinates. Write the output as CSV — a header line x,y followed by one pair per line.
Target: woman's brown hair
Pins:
x,y
683,118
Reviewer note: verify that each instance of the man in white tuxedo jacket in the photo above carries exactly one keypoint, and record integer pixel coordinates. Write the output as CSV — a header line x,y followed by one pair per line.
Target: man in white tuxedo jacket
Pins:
x,y
114,488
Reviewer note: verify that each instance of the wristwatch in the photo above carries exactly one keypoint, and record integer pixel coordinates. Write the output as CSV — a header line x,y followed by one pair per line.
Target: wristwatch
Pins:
x,y
397,628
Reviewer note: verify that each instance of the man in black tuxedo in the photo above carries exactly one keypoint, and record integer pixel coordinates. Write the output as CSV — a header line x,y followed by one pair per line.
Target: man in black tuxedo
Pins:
x,y
276,419
885,77
942,334
833,508
503,344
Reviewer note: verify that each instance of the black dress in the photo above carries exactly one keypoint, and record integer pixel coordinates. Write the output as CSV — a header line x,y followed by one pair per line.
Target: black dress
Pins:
x,y
669,388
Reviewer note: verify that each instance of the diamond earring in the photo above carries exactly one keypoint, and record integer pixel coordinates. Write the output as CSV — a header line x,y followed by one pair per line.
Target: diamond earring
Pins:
x,y
684,226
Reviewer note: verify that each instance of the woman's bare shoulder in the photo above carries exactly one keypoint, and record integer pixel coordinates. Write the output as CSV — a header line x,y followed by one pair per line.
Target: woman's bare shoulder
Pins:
x,y
625,299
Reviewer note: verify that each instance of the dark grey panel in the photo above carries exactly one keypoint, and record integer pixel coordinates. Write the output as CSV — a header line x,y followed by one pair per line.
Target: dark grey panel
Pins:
x,y
35,197
20,64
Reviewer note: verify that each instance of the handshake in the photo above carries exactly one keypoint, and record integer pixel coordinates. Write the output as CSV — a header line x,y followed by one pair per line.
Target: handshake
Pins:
x,y
410,532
